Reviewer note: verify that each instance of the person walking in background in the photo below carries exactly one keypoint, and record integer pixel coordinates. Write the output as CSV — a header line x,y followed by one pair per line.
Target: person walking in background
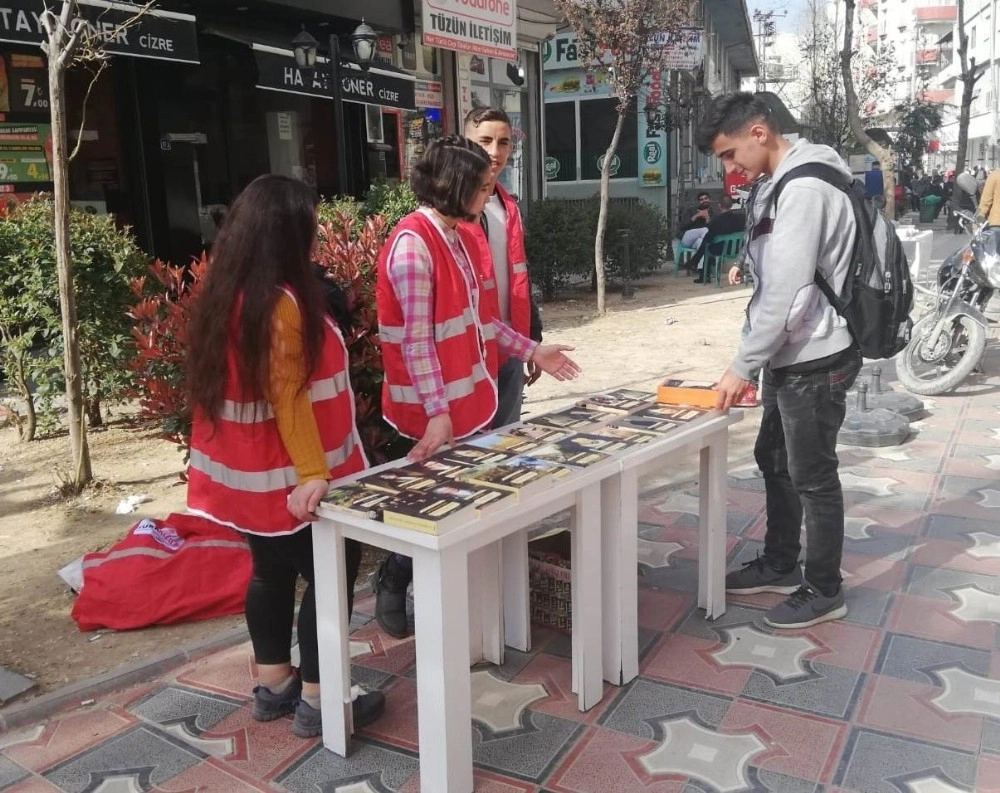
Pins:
x,y
874,181
808,356
440,329
273,423
989,201
499,237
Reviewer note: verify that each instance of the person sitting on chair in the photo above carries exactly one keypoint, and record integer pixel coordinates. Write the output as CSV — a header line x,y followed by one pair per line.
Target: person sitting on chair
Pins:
x,y
728,221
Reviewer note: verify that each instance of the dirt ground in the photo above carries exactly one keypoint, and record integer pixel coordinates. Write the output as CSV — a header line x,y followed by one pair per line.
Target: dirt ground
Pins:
x,y
672,328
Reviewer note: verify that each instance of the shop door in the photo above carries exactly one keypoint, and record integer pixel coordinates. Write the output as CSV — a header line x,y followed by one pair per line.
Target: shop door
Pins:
x,y
189,224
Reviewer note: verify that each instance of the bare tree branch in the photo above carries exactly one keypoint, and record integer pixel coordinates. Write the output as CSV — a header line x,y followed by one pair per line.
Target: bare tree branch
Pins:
x,y
83,110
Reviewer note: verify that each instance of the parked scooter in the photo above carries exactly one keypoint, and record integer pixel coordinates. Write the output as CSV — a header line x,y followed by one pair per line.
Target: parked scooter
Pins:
x,y
947,343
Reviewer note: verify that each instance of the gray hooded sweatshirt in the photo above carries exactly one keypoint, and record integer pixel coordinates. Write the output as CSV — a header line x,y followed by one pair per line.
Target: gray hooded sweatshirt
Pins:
x,y
812,229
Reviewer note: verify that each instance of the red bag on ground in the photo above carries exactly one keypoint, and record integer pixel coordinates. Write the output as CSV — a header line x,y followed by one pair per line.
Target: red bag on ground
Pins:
x,y
180,569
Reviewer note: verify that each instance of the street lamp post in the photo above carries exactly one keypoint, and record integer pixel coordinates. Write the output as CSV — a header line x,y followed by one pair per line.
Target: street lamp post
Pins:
x,y
304,49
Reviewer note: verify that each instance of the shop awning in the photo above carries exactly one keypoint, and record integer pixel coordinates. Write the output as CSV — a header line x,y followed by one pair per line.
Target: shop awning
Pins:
x,y
163,35
276,71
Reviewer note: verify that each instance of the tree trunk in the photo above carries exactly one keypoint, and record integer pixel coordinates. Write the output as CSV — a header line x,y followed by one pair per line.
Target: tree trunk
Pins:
x,y
885,156
81,473
602,215
26,426
93,410
968,78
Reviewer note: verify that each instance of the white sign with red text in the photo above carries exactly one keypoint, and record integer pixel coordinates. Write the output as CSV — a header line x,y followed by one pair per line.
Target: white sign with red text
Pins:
x,y
483,27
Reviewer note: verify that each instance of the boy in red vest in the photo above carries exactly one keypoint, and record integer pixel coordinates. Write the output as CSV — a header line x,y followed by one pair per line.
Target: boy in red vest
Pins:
x,y
499,235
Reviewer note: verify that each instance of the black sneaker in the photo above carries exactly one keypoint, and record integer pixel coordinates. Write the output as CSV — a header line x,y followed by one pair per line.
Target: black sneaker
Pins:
x,y
807,607
758,576
268,706
366,708
390,599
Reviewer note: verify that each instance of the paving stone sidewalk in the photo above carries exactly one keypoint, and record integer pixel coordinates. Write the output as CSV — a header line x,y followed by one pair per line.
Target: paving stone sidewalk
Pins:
x,y
902,696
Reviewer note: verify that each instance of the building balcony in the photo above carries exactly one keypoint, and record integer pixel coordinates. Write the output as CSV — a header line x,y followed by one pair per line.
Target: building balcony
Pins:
x,y
938,96
928,57
930,14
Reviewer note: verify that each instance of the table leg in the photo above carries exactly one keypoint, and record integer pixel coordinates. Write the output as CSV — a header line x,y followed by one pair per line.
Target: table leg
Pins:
x,y
712,526
485,607
585,572
516,608
619,562
333,635
444,683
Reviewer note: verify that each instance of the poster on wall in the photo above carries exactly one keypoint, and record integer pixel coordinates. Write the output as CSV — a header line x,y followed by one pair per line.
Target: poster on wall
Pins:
x,y
482,27
576,84
25,152
683,48
652,132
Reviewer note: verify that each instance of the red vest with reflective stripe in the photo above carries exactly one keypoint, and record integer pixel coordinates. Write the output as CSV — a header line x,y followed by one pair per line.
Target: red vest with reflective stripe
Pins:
x,y
464,338
517,262
240,474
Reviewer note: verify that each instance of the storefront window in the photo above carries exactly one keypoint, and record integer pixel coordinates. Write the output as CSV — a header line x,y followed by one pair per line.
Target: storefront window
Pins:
x,y
560,142
597,126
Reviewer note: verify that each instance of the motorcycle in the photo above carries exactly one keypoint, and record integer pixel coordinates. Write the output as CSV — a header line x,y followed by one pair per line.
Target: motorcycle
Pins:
x,y
947,342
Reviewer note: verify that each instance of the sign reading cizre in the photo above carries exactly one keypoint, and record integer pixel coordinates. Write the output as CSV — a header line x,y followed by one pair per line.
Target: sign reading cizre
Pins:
x,y
482,27
163,35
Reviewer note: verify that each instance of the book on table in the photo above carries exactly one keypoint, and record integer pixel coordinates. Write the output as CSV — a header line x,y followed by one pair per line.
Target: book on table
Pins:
x,y
578,419
687,392
613,438
354,498
427,511
565,451
523,476
623,401
413,476
680,414
511,441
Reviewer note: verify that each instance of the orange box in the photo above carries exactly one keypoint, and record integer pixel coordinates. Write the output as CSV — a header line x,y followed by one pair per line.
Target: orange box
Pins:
x,y
687,392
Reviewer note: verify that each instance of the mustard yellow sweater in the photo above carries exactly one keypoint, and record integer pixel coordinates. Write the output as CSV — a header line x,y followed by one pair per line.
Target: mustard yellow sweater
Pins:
x,y
289,398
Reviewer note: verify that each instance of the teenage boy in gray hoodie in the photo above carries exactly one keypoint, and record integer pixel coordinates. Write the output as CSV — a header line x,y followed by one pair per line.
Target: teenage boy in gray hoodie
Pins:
x,y
808,356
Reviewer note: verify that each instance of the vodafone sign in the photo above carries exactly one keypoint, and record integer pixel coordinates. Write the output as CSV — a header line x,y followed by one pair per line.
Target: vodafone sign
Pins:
x,y
483,27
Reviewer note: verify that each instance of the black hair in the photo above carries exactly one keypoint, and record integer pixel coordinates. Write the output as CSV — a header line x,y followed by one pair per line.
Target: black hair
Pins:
x,y
478,115
265,243
728,114
449,174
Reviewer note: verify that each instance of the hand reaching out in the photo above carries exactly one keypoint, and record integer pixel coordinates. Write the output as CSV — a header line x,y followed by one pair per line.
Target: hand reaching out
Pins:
x,y
552,358
303,500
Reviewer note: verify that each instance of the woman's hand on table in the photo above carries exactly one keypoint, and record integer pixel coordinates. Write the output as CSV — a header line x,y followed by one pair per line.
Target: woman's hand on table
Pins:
x,y
437,434
304,499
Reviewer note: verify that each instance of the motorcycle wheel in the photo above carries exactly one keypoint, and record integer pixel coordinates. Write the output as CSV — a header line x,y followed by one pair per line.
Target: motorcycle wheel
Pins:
x,y
931,372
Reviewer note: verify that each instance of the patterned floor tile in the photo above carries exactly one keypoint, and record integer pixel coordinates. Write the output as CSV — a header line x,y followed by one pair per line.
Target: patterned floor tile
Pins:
x,y
799,746
777,654
917,454
866,606
397,727
967,497
826,690
949,527
988,779
554,675
909,658
872,572
11,773
138,759
69,735
389,655
887,488
33,784
688,661
529,752
736,614
863,536
499,705
640,707
942,583
208,776
842,644
935,619
681,576
229,672
907,708
384,770
604,760
978,553
898,521
662,609
877,763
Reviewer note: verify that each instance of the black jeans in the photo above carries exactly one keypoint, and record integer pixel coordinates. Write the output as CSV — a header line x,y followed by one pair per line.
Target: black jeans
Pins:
x,y
797,453
278,561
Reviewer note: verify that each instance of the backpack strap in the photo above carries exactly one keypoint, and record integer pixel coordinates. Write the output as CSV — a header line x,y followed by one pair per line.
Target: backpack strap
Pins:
x,y
832,176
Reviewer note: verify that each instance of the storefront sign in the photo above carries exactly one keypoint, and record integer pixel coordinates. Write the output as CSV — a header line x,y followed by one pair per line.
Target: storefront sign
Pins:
x,y
652,136
24,153
163,35
613,167
485,27
276,71
429,94
563,52
551,168
683,48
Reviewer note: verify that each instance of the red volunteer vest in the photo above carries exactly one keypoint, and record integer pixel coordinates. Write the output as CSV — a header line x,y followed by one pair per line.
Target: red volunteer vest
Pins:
x,y
517,262
464,337
240,474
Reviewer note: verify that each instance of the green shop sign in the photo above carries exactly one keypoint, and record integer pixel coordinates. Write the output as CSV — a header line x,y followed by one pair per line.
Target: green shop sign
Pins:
x,y
613,168
551,168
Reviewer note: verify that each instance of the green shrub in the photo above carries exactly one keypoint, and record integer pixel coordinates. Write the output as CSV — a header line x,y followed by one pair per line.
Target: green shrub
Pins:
x,y
559,236
390,201
105,259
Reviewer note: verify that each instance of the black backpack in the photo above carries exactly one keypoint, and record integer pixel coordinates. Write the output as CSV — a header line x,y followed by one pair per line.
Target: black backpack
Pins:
x,y
878,294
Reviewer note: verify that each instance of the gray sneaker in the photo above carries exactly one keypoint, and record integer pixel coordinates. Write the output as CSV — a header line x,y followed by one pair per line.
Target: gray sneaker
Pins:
x,y
758,576
807,607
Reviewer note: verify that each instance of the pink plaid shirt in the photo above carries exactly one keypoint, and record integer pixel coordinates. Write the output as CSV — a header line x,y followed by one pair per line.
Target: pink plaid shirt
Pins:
x,y
411,272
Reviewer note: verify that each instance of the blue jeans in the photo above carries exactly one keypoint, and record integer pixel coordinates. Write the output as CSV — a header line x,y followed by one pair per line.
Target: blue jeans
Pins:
x,y
797,453
510,391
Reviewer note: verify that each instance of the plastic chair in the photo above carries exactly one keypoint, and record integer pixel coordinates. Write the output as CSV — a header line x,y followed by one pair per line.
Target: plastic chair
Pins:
x,y
682,255
723,249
